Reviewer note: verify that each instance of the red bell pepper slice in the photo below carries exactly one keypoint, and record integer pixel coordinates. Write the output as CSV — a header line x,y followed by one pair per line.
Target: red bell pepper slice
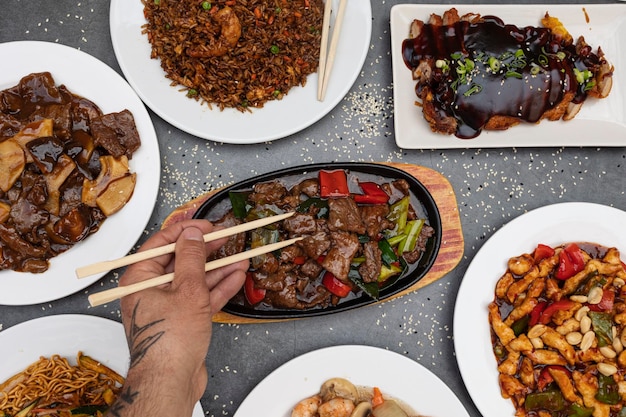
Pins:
x,y
571,261
545,378
549,311
253,294
576,256
299,260
542,251
333,184
535,313
606,303
373,194
335,285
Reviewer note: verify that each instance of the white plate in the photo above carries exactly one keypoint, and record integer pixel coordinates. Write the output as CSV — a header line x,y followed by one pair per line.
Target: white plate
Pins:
x,y
551,225
277,119
395,375
606,28
65,335
88,77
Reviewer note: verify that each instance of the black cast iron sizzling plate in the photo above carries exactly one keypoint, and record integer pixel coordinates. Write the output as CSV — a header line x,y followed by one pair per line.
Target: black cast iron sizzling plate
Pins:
x,y
217,205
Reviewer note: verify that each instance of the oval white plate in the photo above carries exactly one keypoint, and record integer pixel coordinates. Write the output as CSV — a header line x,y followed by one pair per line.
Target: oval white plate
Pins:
x,y
395,375
65,335
277,119
88,77
551,225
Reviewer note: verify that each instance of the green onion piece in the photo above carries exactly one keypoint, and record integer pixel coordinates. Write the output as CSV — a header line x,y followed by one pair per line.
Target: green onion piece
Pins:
x,y
513,74
412,230
590,85
278,10
474,89
276,93
206,5
519,53
192,92
456,55
560,55
535,69
494,63
542,59
157,2
274,49
469,64
387,254
580,77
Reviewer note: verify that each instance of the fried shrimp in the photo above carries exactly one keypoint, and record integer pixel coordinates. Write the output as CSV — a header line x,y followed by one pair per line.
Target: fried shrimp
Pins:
x,y
337,407
307,407
230,32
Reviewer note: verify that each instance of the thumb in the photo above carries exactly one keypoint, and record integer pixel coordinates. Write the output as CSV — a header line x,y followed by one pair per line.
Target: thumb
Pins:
x,y
190,256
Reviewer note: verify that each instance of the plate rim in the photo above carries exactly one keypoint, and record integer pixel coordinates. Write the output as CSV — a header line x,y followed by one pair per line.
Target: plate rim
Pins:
x,y
470,319
551,134
146,163
349,357
335,94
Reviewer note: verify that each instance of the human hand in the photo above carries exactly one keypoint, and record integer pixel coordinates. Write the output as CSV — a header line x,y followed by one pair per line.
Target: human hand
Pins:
x,y
168,328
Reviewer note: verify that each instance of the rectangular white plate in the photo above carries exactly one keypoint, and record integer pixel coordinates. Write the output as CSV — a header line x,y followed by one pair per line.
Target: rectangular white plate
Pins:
x,y
599,122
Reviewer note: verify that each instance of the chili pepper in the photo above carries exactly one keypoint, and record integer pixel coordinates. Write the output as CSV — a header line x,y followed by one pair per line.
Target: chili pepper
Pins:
x,y
606,303
576,410
542,251
333,184
253,294
373,194
387,254
571,261
547,400
387,272
608,391
335,285
535,314
520,325
412,231
545,376
549,311
239,202
602,325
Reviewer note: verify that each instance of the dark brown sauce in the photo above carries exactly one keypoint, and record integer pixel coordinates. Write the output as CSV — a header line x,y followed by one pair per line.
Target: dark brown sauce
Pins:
x,y
541,80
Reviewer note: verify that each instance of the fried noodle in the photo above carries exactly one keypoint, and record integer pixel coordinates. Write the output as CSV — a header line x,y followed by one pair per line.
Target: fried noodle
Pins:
x,y
235,53
54,383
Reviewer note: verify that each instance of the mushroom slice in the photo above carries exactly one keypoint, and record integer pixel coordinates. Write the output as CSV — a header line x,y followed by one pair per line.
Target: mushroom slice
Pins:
x,y
12,163
5,211
363,409
39,129
111,170
62,169
339,387
117,194
389,408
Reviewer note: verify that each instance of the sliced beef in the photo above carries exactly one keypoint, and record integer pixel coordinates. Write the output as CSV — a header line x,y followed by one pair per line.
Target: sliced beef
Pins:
x,y
343,214
117,133
300,224
344,247
370,269
236,243
267,192
315,245
311,269
375,220
420,246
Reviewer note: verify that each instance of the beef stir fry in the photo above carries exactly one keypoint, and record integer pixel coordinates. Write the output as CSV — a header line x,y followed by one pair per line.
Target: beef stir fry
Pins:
x,y
64,168
354,241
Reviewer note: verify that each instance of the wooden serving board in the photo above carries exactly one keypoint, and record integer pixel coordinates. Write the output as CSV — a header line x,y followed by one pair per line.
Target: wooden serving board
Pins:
x,y
450,252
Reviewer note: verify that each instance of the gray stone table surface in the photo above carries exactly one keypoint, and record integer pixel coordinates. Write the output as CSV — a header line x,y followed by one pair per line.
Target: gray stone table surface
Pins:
x,y
492,186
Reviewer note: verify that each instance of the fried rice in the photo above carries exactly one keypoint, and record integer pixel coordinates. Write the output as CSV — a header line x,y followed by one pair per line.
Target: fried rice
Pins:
x,y
235,53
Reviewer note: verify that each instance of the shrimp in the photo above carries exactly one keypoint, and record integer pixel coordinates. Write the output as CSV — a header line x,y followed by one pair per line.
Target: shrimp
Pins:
x,y
337,407
307,407
230,32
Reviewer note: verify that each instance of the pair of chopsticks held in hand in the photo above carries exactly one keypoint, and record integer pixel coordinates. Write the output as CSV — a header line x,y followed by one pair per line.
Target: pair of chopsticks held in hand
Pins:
x,y
327,53
119,292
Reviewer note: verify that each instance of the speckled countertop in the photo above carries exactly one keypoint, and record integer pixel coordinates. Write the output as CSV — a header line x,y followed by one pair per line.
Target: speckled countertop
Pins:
x,y
492,187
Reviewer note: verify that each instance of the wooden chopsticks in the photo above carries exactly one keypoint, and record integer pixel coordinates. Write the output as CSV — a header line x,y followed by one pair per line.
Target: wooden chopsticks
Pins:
x,y
327,54
119,292
105,266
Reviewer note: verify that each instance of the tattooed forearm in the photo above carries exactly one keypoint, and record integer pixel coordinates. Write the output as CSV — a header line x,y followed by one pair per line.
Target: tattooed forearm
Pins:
x,y
139,339
126,398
